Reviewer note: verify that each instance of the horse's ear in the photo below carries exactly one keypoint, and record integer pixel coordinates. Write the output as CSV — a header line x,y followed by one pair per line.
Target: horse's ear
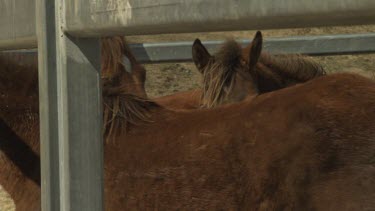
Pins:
x,y
255,50
200,55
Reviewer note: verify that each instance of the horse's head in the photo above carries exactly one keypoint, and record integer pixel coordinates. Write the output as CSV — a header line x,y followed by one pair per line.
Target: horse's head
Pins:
x,y
121,73
229,75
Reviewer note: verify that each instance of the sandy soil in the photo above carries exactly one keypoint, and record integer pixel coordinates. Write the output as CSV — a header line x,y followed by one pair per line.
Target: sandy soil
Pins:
x,y
164,79
6,203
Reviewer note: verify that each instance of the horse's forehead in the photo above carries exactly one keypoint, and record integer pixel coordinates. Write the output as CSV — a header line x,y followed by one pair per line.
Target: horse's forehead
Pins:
x,y
128,65
229,53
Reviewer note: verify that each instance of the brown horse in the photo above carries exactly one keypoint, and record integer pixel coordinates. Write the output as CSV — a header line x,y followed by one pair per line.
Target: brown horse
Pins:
x,y
226,73
181,100
291,149
19,130
19,115
234,73
306,147
227,77
116,57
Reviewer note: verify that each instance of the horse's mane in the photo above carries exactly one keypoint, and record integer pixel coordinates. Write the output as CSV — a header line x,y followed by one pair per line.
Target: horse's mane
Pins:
x,y
295,66
219,73
291,68
121,108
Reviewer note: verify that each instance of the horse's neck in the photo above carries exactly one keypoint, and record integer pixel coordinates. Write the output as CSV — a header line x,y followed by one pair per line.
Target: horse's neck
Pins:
x,y
157,116
19,94
21,114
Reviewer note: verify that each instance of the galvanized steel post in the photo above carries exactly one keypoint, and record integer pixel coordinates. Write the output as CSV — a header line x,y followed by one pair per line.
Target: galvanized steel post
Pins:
x,y
70,115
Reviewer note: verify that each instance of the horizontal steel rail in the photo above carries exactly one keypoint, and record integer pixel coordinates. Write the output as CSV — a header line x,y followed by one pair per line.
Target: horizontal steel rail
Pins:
x,y
310,45
133,17
96,18
17,24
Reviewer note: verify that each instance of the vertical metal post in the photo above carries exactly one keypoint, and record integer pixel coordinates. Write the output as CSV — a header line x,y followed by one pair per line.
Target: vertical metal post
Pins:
x,y
70,114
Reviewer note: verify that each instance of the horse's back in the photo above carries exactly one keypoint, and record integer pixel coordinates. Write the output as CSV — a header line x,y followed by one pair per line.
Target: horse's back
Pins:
x,y
342,116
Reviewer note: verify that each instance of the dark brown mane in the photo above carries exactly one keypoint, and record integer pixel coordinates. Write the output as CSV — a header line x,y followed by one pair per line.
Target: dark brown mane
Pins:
x,y
286,69
294,66
219,73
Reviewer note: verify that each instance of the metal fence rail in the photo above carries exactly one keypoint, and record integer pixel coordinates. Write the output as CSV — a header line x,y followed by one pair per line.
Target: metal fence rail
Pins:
x,y
17,24
97,18
311,45
132,17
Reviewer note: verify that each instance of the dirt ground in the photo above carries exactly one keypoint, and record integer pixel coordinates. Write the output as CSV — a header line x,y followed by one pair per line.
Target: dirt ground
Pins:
x,y
6,203
164,79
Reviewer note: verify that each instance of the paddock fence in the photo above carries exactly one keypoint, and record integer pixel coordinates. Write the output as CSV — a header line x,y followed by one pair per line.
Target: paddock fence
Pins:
x,y
66,34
